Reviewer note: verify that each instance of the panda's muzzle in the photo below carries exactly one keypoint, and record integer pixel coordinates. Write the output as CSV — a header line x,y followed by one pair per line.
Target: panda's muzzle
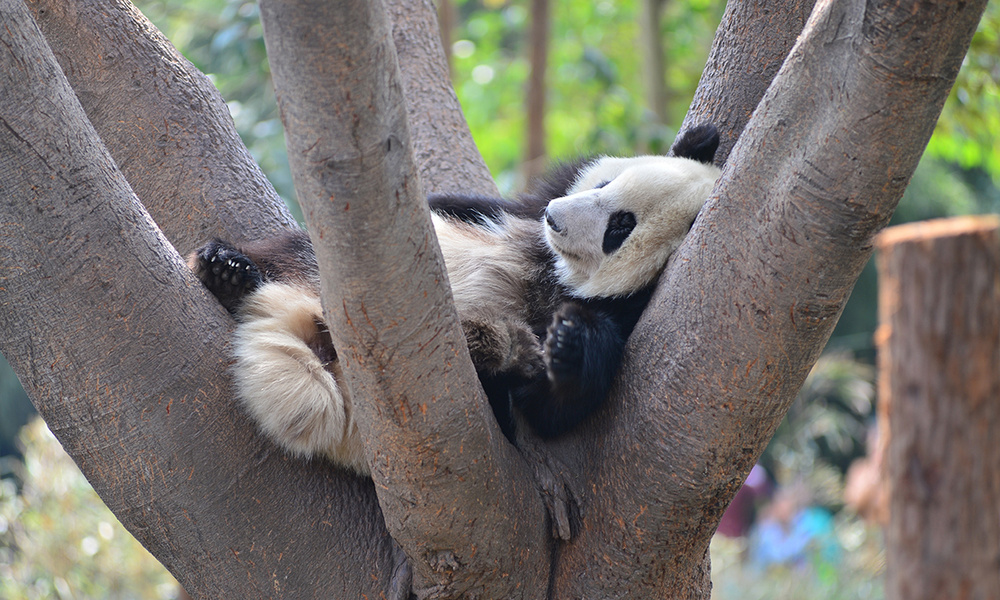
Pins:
x,y
551,222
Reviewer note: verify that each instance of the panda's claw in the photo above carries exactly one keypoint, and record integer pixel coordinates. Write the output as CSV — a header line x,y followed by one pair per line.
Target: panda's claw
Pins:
x,y
226,272
565,343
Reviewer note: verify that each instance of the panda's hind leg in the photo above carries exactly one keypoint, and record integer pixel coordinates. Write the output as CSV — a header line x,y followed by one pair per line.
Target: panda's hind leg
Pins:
x,y
287,375
228,273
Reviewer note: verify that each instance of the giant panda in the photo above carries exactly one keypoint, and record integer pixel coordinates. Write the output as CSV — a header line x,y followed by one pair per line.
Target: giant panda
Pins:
x,y
548,288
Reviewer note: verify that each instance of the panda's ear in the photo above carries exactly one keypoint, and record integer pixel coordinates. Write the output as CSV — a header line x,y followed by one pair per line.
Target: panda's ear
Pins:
x,y
698,143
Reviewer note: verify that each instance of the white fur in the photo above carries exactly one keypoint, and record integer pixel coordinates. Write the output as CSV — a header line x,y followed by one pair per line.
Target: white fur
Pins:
x,y
281,382
485,265
664,193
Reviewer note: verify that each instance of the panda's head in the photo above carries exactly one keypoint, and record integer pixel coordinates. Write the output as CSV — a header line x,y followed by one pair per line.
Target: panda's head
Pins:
x,y
624,217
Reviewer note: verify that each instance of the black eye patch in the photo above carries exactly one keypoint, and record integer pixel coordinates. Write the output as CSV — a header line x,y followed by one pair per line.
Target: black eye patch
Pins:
x,y
620,225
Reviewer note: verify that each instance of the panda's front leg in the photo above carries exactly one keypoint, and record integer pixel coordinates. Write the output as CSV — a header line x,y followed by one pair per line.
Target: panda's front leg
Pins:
x,y
583,350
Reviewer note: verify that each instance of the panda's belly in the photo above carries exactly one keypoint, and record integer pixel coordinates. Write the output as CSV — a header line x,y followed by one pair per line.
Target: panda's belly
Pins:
x,y
486,267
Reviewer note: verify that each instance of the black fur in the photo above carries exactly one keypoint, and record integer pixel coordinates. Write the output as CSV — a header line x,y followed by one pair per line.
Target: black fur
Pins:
x,y
698,143
584,346
226,272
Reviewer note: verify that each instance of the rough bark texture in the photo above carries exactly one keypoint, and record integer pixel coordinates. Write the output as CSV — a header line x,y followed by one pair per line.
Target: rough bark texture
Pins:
x,y
125,355
939,383
752,42
754,292
164,123
455,495
444,151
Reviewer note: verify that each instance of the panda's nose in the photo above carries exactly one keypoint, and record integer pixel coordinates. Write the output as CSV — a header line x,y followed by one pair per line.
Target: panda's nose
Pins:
x,y
552,222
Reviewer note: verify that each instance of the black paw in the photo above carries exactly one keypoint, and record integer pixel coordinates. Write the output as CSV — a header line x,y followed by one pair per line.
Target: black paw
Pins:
x,y
226,272
565,342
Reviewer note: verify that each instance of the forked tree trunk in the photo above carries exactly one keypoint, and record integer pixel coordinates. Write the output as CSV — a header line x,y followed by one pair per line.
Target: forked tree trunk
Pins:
x,y
125,354
939,394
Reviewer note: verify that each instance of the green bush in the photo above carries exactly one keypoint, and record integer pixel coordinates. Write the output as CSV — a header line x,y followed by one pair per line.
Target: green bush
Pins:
x,y
58,540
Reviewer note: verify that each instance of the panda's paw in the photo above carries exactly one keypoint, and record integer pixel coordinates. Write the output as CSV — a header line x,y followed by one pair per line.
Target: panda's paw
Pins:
x,y
226,272
503,347
565,342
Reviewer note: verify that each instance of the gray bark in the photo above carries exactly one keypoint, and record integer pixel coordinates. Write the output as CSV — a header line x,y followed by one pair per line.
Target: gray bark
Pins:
x,y
164,123
125,354
939,403
755,290
450,500
445,153
750,46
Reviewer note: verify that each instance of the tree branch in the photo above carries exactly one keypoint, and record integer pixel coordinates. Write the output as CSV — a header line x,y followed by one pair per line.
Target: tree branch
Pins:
x,y
753,294
125,355
454,493
164,123
443,148
750,45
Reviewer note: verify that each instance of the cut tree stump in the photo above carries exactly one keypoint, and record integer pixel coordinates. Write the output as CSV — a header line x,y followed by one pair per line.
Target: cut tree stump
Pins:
x,y
939,395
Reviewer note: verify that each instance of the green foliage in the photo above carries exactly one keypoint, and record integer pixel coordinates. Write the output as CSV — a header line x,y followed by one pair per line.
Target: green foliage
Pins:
x,y
969,129
58,540
594,101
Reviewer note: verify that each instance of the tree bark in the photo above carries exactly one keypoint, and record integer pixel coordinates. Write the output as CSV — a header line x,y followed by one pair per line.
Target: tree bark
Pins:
x,y
445,153
939,403
165,124
750,46
137,388
751,296
125,355
452,489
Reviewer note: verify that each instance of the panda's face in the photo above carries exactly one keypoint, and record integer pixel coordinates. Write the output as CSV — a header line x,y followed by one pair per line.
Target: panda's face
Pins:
x,y
623,219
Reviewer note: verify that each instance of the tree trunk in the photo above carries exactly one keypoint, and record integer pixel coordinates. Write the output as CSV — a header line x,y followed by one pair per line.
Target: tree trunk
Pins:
x,y
538,42
750,46
165,124
125,354
939,395
654,76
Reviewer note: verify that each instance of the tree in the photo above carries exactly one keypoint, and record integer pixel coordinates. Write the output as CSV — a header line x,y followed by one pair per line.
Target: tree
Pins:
x,y
939,347
125,354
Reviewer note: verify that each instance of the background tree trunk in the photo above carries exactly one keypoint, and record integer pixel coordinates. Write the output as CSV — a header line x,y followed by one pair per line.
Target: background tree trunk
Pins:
x,y
654,76
538,43
939,404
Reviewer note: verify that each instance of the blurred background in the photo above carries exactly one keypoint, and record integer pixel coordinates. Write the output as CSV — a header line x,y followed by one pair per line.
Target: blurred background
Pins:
x,y
618,77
